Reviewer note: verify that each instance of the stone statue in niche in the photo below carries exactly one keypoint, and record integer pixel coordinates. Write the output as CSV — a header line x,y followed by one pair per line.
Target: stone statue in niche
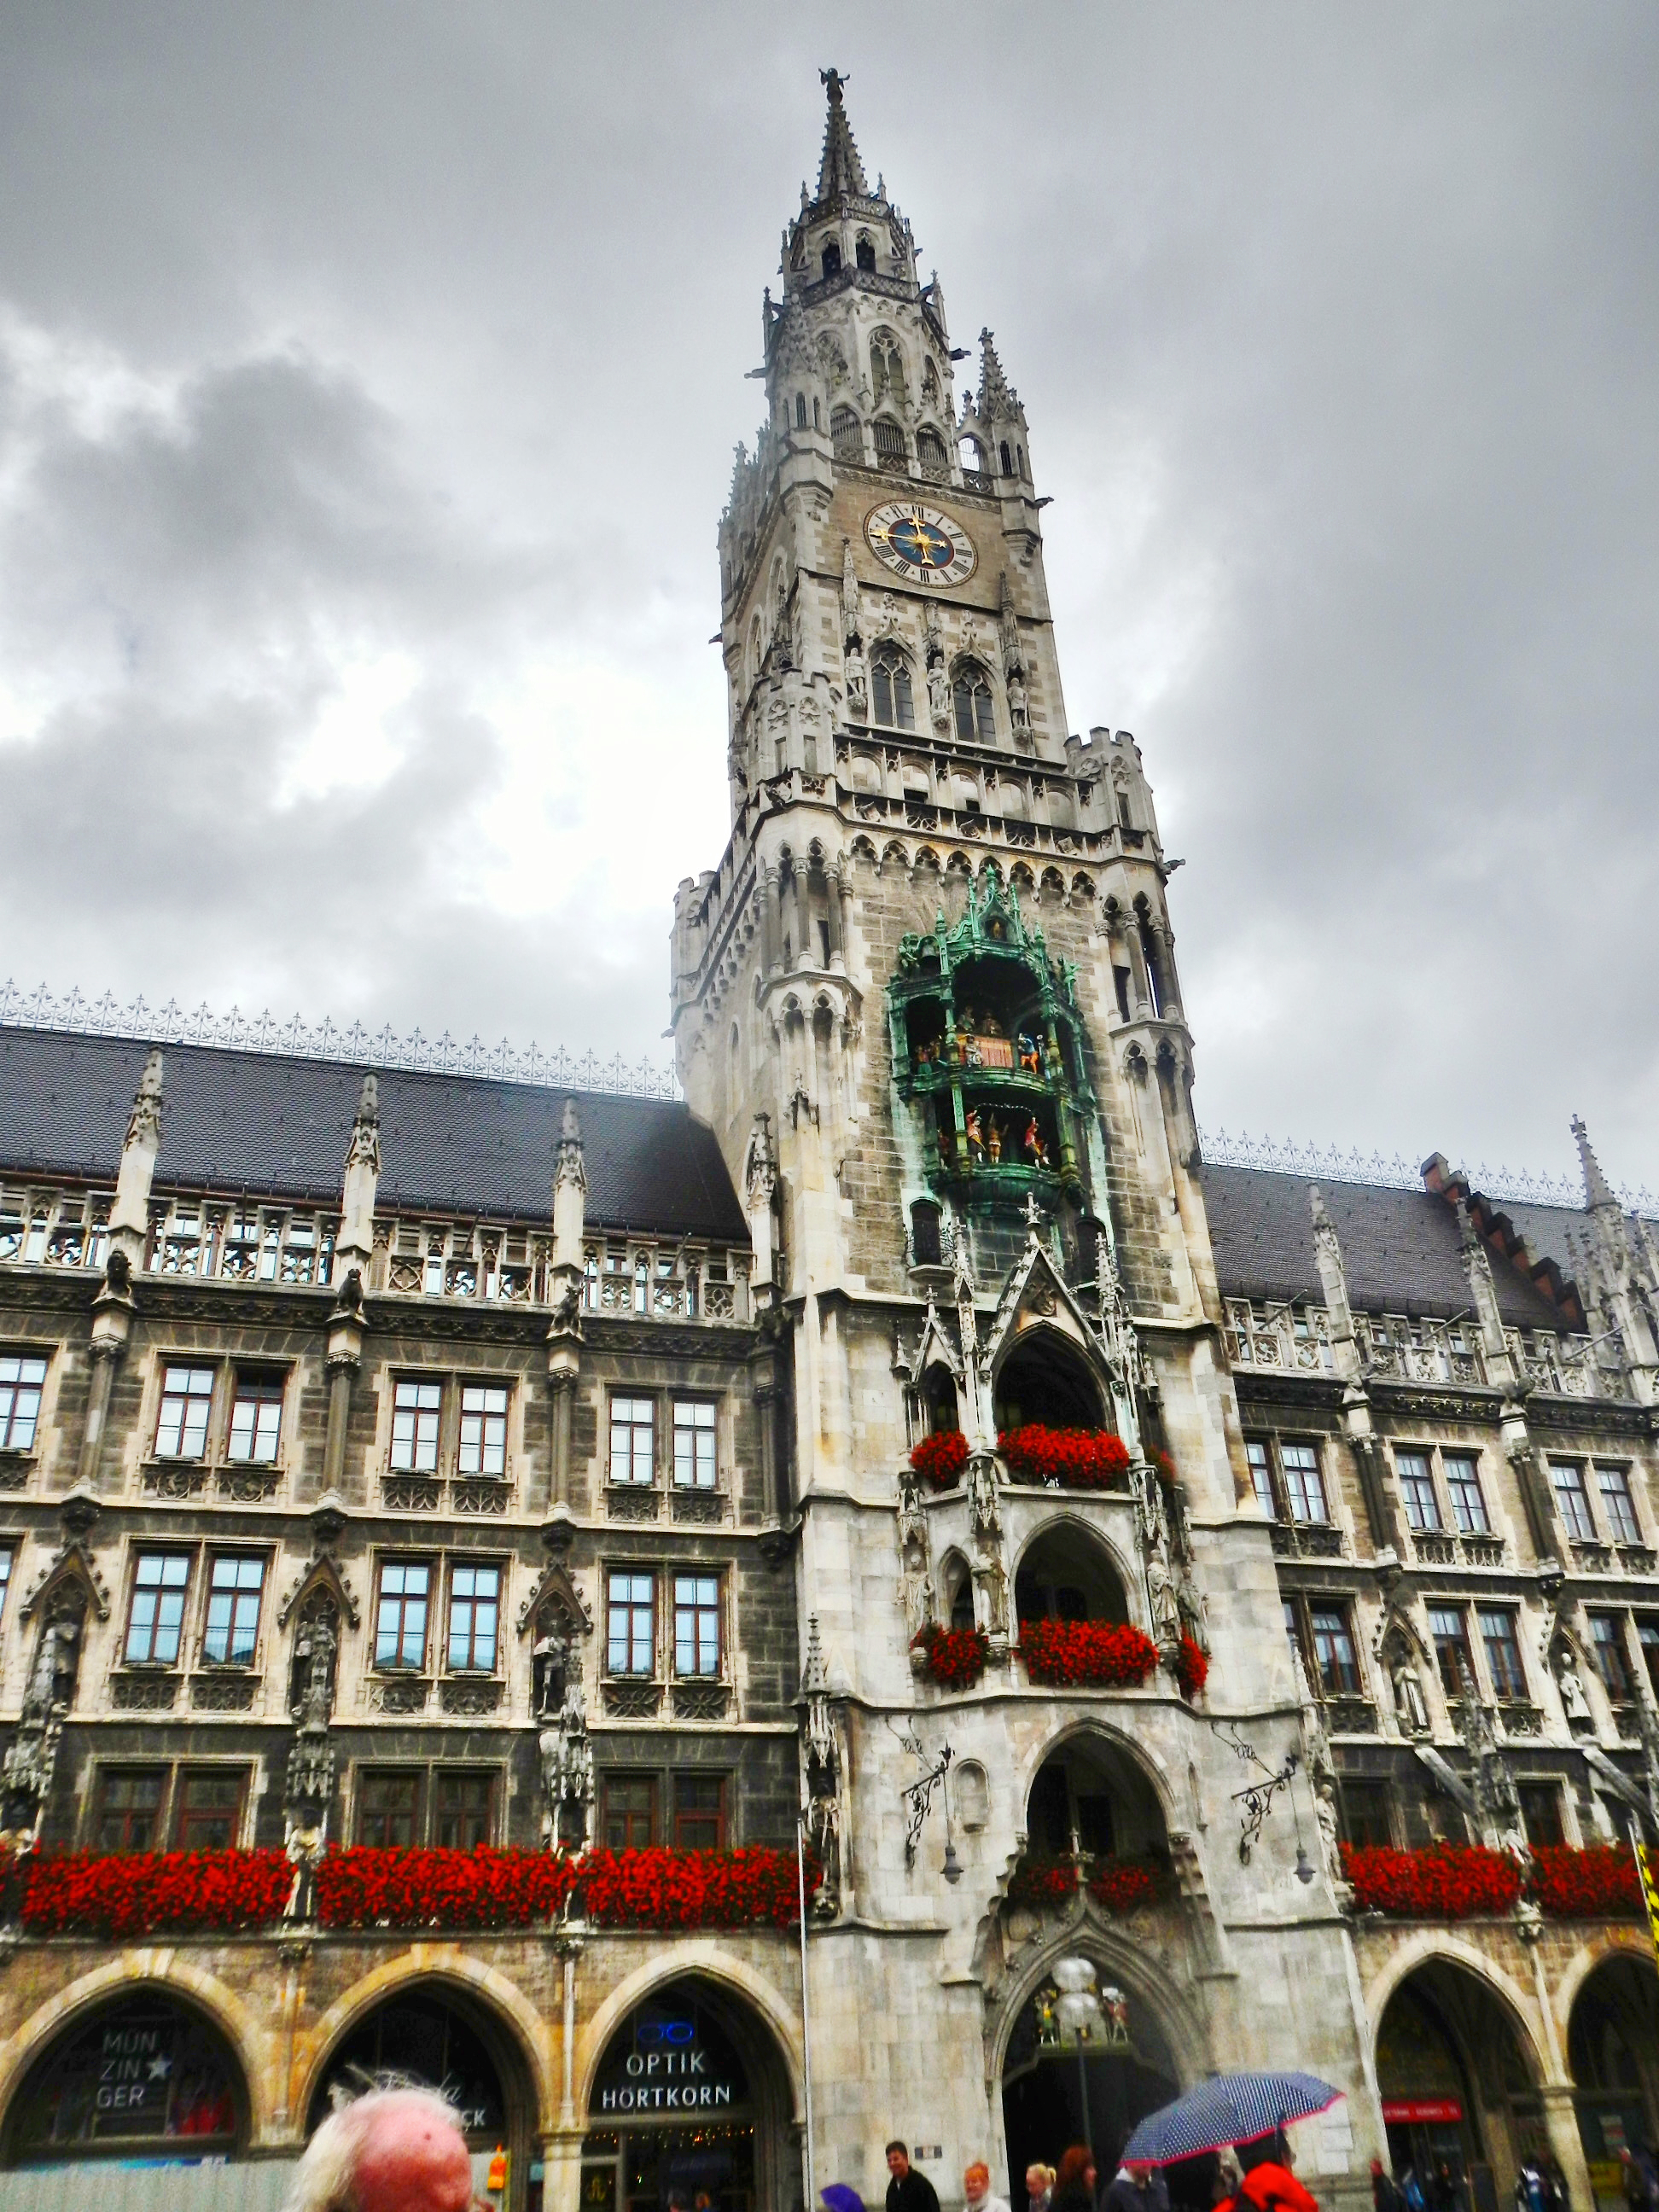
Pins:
x,y
858,682
1410,1708
1330,1841
1571,1684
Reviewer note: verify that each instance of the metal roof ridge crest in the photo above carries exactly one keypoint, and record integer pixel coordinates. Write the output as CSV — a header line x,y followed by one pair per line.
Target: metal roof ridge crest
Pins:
x,y
1327,1164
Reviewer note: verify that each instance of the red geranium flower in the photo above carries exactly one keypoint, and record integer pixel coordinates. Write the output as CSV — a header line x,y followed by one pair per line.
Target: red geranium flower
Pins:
x,y
1086,1654
956,1657
1446,1883
1076,1459
940,1458
1189,1663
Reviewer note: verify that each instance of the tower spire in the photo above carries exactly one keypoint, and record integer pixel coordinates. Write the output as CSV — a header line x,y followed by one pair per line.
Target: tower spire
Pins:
x,y
994,397
1598,1190
841,173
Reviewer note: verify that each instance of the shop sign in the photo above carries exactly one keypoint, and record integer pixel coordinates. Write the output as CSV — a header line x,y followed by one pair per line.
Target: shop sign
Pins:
x,y
1428,2112
669,2070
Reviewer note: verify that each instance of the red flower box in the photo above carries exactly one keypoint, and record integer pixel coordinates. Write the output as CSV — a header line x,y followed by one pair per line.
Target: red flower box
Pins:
x,y
1189,1663
1039,1880
1598,1884
1070,1654
364,1888
1444,1884
956,1657
693,1889
1116,1885
150,1893
940,1458
1076,1459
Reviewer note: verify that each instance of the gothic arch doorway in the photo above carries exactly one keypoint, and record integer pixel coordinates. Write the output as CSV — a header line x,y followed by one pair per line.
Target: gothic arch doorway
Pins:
x,y
690,2099
433,2033
1057,2091
1047,1378
146,2079
1458,2079
1613,2054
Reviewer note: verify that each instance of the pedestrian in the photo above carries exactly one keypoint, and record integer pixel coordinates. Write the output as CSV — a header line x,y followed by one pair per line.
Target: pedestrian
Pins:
x,y
390,2150
1074,2184
1137,2186
1039,2187
908,2190
1638,2175
1224,2190
1447,2195
1271,2186
1385,2193
1532,2190
977,2189
840,2198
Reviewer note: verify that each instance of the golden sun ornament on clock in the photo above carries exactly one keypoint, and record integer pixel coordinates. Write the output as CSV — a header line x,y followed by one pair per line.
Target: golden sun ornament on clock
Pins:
x,y
919,543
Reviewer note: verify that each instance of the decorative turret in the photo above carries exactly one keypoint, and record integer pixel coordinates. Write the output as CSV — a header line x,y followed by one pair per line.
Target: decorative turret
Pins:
x,y
129,1221
841,173
355,1245
1616,1262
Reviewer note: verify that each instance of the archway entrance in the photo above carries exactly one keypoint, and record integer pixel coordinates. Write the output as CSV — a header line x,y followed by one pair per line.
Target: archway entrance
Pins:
x,y
1066,1574
1045,1378
1612,2053
144,2079
690,2107
1458,2083
438,2036
1057,2092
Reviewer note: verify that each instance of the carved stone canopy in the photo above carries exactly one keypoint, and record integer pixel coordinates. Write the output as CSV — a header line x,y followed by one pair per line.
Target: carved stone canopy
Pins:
x,y
554,1592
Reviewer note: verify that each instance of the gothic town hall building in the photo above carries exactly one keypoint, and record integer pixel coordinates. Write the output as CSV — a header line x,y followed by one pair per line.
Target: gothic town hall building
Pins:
x,y
1187,1618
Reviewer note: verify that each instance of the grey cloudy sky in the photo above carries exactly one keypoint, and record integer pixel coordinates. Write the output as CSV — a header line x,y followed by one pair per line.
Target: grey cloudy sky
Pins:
x,y
368,381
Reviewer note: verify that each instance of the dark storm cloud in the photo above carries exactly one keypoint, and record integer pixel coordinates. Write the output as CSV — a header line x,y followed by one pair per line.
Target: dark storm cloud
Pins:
x,y
370,381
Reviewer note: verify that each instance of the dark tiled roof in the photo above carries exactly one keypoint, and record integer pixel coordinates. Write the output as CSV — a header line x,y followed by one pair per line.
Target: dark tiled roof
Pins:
x,y
1399,1248
278,1127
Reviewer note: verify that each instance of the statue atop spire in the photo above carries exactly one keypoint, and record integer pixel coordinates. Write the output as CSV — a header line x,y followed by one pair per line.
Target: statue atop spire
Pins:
x,y
995,398
1598,1192
841,173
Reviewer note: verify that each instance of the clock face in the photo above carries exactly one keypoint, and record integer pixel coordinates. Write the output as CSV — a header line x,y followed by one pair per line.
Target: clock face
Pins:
x,y
919,543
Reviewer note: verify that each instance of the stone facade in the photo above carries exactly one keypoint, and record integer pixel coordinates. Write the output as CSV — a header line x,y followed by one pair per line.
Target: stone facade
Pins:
x,y
436,1462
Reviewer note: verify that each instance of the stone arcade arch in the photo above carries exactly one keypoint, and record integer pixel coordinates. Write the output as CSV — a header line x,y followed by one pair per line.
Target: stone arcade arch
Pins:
x,y
1045,1376
440,2031
691,2090
1067,1572
1613,2054
144,2074
1459,2075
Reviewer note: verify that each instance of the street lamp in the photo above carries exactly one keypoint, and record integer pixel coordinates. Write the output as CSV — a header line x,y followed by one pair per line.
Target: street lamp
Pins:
x,y
1077,2010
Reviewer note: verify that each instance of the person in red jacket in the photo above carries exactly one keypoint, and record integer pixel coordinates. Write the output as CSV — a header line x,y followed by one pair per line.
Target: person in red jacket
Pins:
x,y
1270,2185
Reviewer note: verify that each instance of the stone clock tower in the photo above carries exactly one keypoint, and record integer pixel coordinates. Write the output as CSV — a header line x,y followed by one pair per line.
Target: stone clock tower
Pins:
x,y
928,1001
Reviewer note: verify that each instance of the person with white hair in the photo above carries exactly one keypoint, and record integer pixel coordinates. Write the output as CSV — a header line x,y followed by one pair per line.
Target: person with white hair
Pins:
x,y
394,2149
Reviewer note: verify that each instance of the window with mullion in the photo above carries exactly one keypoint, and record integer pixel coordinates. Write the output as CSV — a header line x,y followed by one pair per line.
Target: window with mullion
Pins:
x,y
1503,1649
401,1615
633,1440
696,1625
1647,1637
181,1427
155,1622
1334,1656
1304,1486
483,1448
693,1445
256,1419
1571,1499
1463,1487
21,1382
7,1555
390,1803
1611,1661
1450,1632
1417,1488
208,1808
630,1623
1262,1474
130,1808
236,1581
464,1815
629,1811
699,1812
1618,1505
475,1600
416,1408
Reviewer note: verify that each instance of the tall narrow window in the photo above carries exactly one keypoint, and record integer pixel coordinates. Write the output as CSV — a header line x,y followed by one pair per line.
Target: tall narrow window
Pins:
x,y
129,1808
1417,1488
389,1808
630,1625
484,1431
891,450
401,1618
236,1582
1503,1648
1334,1650
1541,1813
465,1810
697,1625
208,1808
186,1400
1647,1636
1463,1483
1367,1812
633,1435
845,434
1568,1478
475,1603
831,259
415,1408
1618,1505
1261,1475
1303,1482
800,410
1451,1647
156,1622
6,1558
256,1419
21,1382
693,1445
630,1812
865,253
699,1812
892,699
1608,1642
975,717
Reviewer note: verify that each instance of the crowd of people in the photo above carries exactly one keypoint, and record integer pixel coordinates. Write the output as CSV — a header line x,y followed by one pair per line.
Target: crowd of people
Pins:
x,y
1075,2185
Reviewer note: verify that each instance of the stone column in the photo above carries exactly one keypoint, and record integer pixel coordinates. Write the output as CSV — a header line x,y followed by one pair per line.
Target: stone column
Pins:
x,y
1566,2145
771,921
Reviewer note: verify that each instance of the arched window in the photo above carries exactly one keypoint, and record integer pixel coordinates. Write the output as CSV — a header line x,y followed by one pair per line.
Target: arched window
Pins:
x,y
970,696
890,444
832,260
887,364
865,252
971,454
890,690
929,380
817,418
800,410
1007,459
1024,473
930,453
845,434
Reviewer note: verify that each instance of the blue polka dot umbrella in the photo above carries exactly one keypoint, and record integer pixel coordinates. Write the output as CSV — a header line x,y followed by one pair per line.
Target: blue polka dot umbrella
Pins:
x,y
1232,2108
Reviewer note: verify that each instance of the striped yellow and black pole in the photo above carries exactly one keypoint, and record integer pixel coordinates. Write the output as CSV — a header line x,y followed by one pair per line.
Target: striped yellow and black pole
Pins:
x,y
1644,1875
